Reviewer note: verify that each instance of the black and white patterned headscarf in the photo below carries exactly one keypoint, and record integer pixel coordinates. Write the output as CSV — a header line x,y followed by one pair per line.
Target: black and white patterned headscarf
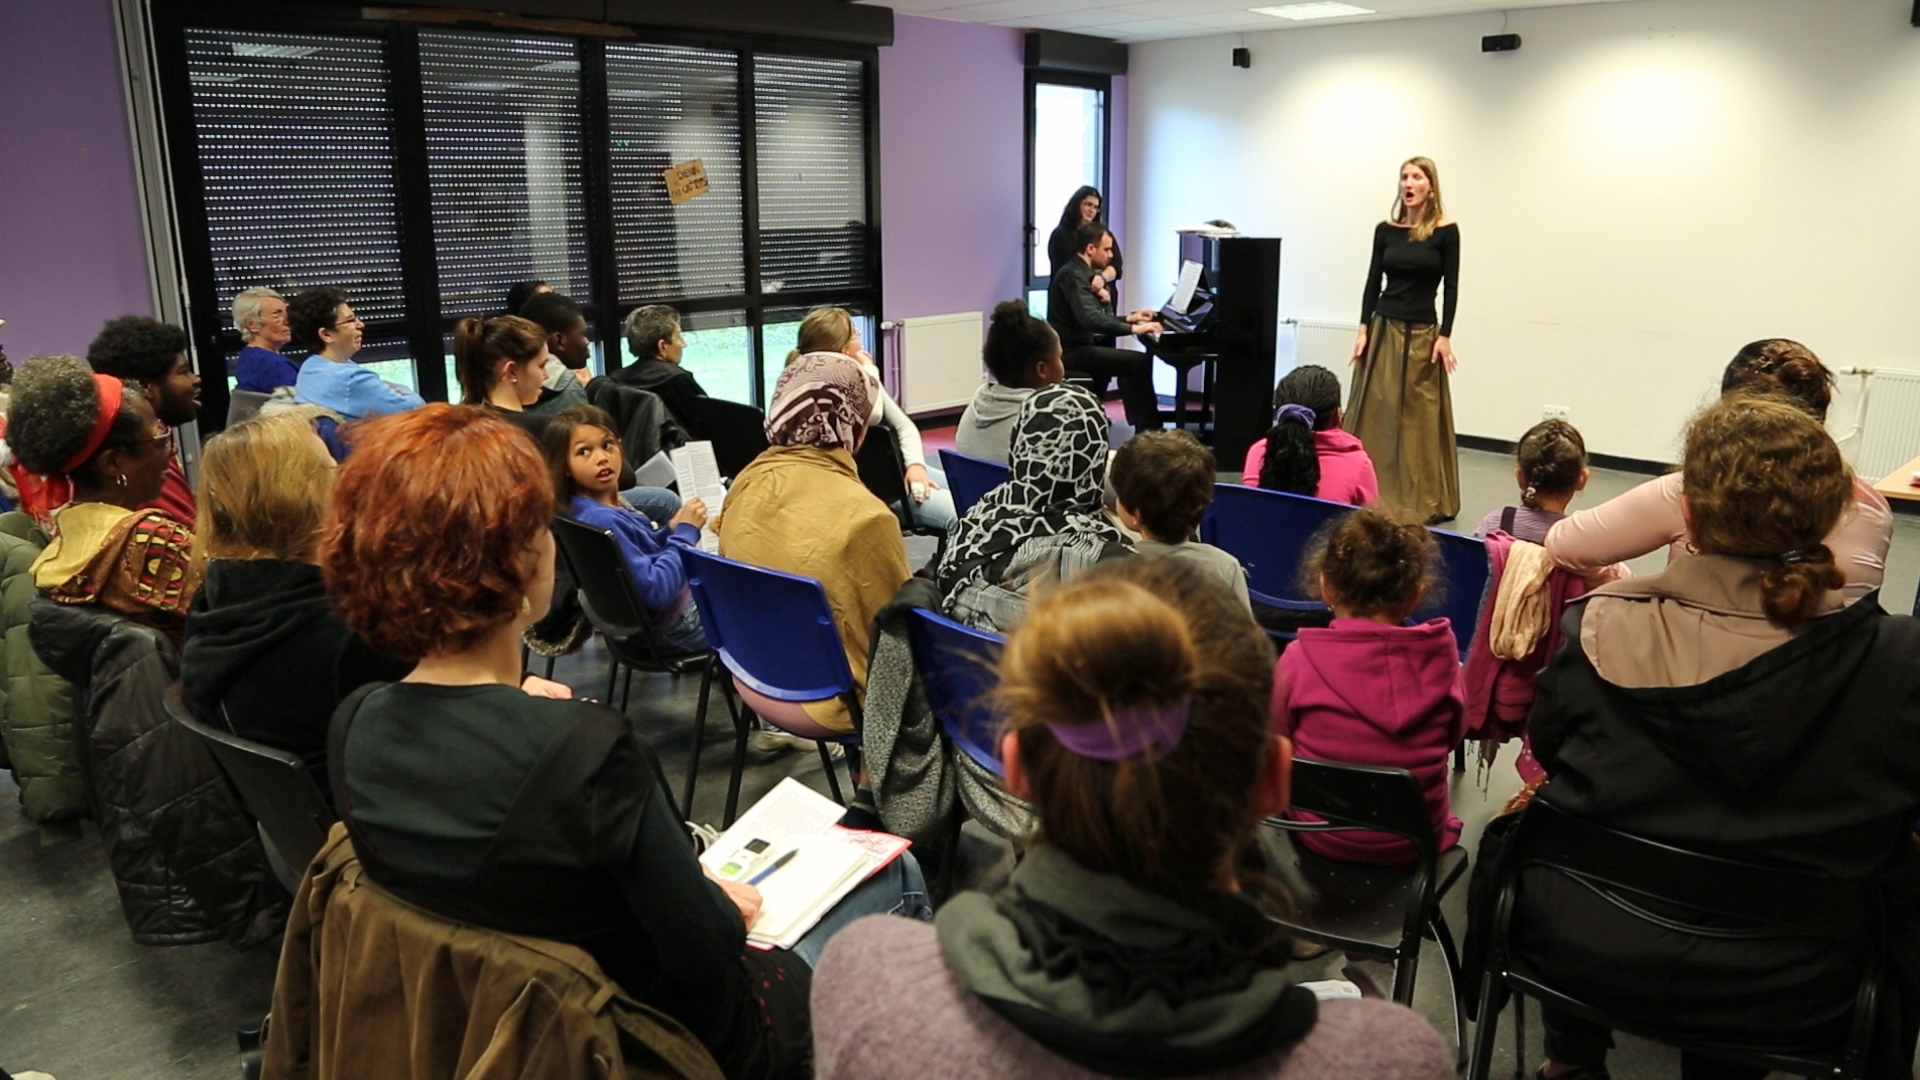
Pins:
x,y
1059,465
822,399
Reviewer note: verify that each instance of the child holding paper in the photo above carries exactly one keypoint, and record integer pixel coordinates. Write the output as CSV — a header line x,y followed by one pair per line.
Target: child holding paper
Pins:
x,y
584,455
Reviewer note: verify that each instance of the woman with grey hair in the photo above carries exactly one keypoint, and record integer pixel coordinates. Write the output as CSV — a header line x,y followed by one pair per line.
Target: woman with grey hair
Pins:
x,y
260,314
103,453
653,336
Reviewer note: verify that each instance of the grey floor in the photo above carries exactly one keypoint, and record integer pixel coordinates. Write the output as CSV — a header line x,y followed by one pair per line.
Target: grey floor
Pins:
x,y
80,1000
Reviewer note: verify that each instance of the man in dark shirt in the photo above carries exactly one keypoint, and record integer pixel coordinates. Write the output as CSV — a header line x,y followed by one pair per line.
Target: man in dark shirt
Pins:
x,y
653,334
1087,329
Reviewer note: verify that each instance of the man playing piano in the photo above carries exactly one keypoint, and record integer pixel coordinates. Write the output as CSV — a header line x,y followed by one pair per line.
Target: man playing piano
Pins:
x,y
1087,329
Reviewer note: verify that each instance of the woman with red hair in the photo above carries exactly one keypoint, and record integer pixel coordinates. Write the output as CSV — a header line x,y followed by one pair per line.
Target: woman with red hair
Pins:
x,y
531,816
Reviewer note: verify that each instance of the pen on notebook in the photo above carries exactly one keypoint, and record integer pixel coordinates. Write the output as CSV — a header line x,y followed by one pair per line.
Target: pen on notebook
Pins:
x,y
777,864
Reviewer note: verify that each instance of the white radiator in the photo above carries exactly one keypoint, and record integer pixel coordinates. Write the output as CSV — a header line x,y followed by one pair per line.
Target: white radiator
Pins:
x,y
937,360
1886,427
1323,342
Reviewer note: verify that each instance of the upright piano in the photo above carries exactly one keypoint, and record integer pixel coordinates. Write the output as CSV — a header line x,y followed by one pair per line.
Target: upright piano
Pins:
x,y
1235,349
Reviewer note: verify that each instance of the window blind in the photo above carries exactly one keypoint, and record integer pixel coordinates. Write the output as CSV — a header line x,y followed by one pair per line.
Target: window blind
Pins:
x,y
504,153
810,129
668,105
294,133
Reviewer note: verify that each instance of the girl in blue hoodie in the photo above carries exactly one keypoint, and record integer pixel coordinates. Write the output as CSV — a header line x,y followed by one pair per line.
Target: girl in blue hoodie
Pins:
x,y
1369,690
584,455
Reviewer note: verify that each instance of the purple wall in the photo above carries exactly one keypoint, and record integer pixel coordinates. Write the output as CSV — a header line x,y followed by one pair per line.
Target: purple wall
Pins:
x,y
71,251
952,167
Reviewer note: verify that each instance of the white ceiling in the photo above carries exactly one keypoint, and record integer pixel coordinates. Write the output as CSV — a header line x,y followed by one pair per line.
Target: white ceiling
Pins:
x,y
1154,20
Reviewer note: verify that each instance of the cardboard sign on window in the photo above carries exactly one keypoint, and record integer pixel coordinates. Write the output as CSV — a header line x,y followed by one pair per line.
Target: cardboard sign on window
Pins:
x,y
686,181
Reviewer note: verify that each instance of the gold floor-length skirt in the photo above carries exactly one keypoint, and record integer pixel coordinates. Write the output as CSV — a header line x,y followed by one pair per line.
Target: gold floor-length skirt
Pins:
x,y
1402,412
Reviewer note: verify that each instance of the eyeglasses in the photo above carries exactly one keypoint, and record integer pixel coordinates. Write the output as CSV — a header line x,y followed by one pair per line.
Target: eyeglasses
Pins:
x,y
351,320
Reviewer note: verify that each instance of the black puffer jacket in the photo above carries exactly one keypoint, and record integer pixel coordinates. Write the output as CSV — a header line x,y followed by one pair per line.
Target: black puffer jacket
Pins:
x,y
184,852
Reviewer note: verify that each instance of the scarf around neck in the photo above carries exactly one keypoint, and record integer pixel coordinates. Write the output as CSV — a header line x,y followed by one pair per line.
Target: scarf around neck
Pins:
x,y
1058,465
822,400
1121,980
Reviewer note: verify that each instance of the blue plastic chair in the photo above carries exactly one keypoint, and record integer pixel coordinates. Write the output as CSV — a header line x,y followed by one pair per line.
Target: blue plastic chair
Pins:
x,y
1464,565
956,665
1268,532
776,635
971,477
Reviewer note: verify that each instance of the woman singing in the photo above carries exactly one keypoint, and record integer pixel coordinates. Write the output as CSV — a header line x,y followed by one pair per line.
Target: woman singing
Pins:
x,y
1400,408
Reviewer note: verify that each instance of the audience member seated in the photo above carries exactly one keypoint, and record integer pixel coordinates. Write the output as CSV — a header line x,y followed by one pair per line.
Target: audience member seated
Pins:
x,y
569,351
530,816
263,643
105,456
800,507
260,314
1134,939
153,355
523,291
831,329
1087,329
1022,354
1550,467
1044,524
1649,517
1368,689
499,363
1733,704
584,457
329,378
1306,452
654,338
1163,484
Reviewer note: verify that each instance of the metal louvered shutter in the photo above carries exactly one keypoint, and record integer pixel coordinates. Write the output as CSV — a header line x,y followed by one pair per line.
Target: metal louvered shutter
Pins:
x,y
295,138
667,105
504,152
810,137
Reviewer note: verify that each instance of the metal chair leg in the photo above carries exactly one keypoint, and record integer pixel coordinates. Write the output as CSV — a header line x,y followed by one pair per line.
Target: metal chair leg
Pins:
x,y
1438,924
699,740
1519,1037
613,678
1484,1032
550,661
833,774
741,725
626,690
1404,970
1460,758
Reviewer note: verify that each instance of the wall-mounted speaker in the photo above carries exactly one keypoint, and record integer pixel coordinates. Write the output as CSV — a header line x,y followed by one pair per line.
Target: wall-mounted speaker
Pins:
x,y
1242,58
1506,42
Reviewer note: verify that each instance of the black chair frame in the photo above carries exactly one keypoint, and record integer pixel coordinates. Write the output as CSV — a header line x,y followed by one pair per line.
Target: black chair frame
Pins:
x,y
274,785
1377,799
738,432
883,469
615,612
1625,869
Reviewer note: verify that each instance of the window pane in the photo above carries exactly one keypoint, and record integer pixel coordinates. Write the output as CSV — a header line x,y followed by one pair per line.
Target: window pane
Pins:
x,y
503,162
719,353
296,162
1069,125
811,130
781,333
667,106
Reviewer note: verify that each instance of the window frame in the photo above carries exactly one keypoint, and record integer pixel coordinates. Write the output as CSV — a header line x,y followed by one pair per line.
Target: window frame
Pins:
x,y
1039,228
424,327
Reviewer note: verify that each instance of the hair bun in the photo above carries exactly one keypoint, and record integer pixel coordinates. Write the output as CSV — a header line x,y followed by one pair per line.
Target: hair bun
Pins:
x,y
1010,313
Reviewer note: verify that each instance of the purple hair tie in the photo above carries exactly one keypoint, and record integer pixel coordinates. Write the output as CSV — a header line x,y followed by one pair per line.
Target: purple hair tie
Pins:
x,y
1153,730
1297,412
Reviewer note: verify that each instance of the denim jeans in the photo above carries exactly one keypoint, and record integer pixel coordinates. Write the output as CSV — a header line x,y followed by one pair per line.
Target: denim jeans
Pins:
x,y
659,504
898,889
937,512
685,635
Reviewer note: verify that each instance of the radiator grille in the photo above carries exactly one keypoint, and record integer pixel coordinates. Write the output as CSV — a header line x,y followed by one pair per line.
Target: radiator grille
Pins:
x,y
1890,424
1327,343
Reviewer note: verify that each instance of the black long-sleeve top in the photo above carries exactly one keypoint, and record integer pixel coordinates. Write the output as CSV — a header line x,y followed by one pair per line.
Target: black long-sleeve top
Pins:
x,y
1414,272
1075,313
1060,251
551,819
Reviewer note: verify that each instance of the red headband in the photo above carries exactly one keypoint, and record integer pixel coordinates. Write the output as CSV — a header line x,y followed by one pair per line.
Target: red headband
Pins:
x,y
111,392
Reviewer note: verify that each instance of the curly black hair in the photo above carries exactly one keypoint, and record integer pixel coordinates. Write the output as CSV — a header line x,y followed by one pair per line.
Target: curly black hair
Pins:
x,y
52,410
311,312
137,347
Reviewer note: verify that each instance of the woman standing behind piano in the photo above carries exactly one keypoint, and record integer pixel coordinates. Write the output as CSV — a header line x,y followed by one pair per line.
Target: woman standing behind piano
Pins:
x,y
1080,210
1401,408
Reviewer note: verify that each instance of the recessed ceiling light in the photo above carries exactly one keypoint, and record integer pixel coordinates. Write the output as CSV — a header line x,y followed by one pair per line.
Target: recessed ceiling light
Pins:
x,y
1323,9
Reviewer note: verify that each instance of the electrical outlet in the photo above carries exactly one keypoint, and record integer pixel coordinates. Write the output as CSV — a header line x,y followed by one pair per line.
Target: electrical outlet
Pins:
x,y
1555,412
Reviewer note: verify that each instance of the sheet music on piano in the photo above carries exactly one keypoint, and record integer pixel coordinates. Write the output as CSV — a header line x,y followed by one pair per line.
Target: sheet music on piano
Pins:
x,y
1189,281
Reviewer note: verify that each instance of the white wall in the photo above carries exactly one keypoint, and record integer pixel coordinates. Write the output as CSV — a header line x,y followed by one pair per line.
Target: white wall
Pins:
x,y
1642,188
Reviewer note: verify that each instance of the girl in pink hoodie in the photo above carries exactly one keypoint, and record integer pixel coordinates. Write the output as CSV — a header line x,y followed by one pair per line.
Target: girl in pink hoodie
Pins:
x,y
1306,452
1367,690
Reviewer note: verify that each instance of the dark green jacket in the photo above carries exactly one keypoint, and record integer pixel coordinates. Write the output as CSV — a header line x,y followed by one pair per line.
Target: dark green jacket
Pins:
x,y
36,706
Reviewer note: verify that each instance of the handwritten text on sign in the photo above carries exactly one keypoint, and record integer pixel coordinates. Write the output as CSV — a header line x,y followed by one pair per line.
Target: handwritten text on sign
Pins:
x,y
686,181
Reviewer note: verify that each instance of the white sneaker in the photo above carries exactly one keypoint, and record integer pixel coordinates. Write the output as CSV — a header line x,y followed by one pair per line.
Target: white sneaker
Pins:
x,y
769,740
31,1074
